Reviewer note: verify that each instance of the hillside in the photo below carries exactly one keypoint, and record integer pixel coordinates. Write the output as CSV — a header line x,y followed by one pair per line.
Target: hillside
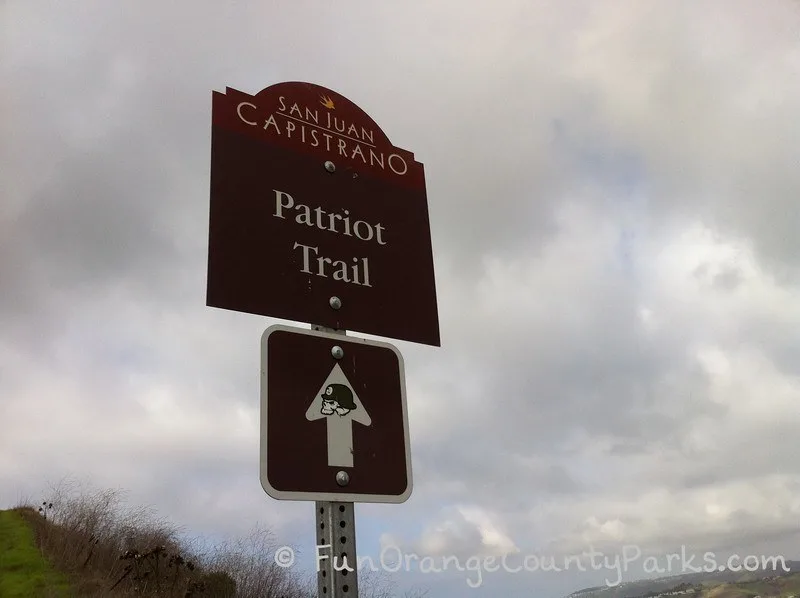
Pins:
x,y
87,546
80,557
717,584
24,572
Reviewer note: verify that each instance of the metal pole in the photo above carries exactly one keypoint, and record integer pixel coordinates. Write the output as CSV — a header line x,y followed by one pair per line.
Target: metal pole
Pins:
x,y
337,575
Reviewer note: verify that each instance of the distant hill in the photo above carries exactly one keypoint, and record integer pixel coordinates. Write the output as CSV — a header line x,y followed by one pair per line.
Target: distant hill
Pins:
x,y
717,584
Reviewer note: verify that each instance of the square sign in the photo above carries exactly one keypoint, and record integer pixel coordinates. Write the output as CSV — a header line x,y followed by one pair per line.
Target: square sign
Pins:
x,y
310,201
334,422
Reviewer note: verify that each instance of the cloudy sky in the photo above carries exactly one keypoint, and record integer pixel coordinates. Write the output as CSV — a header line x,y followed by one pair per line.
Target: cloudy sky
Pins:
x,y
613,193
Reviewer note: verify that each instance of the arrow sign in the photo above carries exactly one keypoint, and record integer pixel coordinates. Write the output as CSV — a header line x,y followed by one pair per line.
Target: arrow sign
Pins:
x,y
337,401
300,385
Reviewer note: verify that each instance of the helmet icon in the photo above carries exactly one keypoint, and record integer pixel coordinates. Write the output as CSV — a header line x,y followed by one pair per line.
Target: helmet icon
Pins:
x,y
337,398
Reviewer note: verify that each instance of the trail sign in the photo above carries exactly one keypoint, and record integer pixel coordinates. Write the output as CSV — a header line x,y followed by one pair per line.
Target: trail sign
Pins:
x,y
316,217
333,429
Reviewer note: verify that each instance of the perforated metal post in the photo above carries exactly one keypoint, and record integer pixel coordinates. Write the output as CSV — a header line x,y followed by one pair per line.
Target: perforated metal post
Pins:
x,y
337,575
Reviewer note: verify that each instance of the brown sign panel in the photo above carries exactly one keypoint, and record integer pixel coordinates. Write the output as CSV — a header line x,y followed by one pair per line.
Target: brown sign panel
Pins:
x,y
309,201
325,412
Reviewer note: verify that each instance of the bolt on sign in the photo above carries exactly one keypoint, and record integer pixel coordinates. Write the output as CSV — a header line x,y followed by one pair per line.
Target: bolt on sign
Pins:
x,y
309,201
334,421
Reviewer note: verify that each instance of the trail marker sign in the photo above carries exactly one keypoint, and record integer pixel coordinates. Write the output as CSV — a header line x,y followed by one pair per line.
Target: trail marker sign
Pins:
x,y
333,409
310,201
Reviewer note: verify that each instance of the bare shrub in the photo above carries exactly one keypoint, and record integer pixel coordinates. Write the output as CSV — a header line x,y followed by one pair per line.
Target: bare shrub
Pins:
x,y
249,562
109,550
100,544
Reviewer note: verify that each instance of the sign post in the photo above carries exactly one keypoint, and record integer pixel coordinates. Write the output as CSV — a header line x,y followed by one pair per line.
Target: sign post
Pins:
x,y
337,575
336,528
315,216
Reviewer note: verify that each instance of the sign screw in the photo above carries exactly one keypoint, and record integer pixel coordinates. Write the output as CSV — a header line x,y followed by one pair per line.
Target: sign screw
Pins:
x,y
342,478
337,352
330,166
335,302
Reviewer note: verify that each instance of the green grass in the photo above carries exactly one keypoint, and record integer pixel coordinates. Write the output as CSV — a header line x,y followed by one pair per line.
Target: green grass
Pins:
x,y
24,572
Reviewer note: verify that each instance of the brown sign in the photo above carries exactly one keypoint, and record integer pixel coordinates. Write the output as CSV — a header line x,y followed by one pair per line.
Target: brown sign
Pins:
x,y
310,201
334,424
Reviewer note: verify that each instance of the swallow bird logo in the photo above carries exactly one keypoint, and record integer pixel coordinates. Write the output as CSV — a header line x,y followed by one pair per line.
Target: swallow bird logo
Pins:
x,y
327,102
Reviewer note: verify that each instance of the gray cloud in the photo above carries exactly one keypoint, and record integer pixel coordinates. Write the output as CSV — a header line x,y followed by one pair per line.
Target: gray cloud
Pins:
x,y
612,195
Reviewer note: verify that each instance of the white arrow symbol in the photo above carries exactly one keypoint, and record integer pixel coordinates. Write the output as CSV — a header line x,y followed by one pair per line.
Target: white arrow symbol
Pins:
x,y
333,401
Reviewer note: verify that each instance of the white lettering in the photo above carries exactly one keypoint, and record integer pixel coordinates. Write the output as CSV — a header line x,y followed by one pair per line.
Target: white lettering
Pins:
x,y
531,563
321,557
321,266
333,218
376,159
628,558
279,205
408,559
344,565
341,272
755,563
306,258
509,569
427,565
671,557
368,233
385,550
346,220
319,218
402,161
361,563
552,566
474,565
365,263
650,565
271,121
239,112
358,151
490,565
577,561
448,559
304,217
336,137
379,229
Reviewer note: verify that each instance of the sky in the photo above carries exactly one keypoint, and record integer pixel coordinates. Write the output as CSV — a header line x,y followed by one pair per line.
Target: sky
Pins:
x,y
612,189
